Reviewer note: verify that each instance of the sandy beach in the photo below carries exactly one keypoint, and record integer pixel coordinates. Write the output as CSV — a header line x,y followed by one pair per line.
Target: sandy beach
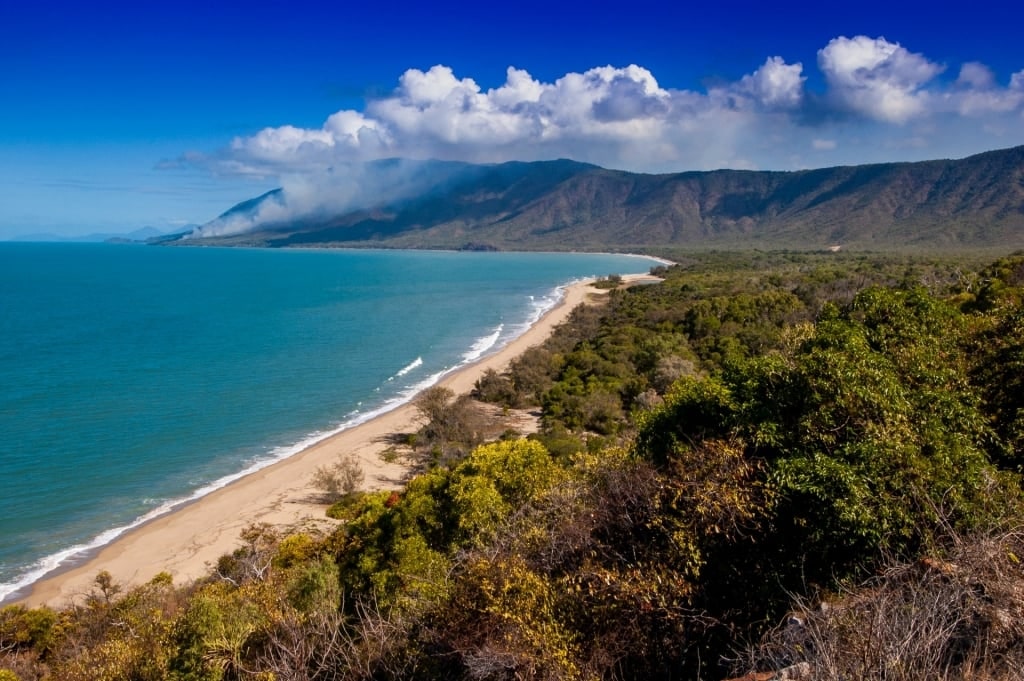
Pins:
x,y
188,540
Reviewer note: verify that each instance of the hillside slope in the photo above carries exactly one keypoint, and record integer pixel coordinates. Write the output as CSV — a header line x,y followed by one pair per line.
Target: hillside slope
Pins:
x,y
973,202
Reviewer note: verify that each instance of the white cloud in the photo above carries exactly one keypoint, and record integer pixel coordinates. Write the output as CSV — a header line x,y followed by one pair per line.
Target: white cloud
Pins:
x,y
976,93
1017,81
975,75
775,84
877,78
435,109
877,96
603,115
345,133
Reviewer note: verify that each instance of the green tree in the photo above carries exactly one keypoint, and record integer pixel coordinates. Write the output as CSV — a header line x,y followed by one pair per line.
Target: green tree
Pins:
x,y
869,430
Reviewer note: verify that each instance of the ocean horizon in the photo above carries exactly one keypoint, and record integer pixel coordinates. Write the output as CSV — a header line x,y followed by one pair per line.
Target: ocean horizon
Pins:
x,y
136,379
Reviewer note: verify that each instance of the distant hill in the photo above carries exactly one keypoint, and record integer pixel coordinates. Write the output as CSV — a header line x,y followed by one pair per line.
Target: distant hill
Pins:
x,y
150,235
141,235
973,202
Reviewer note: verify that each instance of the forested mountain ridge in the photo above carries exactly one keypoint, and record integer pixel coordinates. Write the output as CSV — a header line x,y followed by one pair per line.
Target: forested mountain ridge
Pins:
x,y
973,202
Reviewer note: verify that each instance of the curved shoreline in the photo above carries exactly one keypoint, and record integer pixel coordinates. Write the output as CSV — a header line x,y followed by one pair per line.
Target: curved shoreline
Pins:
x,y
190,538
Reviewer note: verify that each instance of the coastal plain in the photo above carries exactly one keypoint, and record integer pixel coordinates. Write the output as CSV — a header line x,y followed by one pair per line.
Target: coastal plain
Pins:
x,y
187,541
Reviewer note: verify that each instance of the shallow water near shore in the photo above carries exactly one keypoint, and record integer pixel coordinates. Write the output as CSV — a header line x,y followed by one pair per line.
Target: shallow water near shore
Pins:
x,y
133,378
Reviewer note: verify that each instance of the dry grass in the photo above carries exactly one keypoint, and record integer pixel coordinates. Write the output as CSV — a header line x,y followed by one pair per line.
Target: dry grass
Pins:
x,y
959,617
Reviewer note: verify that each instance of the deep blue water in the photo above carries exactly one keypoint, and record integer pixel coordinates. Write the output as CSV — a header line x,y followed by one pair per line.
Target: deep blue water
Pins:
x,y
134,377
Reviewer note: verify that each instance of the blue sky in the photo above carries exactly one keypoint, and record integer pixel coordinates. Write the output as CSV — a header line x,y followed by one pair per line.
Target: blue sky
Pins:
x,y
114,116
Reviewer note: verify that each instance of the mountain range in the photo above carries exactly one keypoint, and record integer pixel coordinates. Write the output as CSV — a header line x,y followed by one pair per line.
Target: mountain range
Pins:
x,y
972,202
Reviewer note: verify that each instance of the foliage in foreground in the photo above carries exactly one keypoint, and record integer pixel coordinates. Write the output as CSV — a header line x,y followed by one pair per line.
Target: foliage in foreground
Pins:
x,y
961,617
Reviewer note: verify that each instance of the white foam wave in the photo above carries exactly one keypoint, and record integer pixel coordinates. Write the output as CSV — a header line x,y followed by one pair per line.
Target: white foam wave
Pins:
x,y
482,345
540,307
56,560
415,364
479,348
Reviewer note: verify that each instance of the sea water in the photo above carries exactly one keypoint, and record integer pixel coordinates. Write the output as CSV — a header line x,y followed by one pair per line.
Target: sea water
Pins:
x,y
134,378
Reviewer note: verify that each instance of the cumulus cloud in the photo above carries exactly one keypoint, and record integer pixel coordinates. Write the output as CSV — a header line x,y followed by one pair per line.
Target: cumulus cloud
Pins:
x,y
877,78
603,115
775,84
878,101
346,134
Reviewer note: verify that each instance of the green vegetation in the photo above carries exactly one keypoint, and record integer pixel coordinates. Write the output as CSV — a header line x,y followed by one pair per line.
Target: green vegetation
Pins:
x,y
719,453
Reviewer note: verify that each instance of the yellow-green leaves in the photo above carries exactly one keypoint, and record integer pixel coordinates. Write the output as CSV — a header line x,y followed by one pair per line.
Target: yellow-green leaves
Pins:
x,y
496,479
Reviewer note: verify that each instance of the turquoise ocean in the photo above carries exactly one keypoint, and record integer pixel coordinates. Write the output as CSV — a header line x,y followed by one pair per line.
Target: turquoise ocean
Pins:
x,y
134,379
